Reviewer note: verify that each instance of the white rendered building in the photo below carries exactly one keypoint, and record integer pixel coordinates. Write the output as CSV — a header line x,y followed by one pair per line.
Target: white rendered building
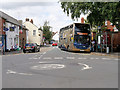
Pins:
x,y
34,35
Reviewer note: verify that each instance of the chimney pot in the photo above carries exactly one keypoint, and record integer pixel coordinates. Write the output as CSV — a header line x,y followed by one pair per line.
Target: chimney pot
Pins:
x,y
27,19
82,20
31,21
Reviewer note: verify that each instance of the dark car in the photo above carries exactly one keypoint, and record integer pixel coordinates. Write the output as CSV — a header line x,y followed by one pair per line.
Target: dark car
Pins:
x,y
31,47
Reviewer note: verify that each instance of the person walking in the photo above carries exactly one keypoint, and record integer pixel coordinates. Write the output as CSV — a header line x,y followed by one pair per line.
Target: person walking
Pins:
x,y
93,45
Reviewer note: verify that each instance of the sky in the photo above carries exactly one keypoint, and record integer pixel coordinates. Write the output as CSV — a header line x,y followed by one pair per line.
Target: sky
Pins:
x,y
39,11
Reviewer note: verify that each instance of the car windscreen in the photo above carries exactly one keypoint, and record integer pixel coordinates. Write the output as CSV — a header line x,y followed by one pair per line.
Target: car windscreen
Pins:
x,y
30,45
27,45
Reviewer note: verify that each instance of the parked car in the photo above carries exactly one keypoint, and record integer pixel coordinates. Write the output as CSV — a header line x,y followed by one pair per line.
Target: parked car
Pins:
x,y
54,44
31,47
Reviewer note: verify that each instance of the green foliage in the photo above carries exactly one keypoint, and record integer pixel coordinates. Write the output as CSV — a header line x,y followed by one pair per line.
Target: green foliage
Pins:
x,y
98,11
46,31
40,28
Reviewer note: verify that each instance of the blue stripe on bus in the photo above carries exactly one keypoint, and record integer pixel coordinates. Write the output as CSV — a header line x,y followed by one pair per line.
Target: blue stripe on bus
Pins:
x,y
81,46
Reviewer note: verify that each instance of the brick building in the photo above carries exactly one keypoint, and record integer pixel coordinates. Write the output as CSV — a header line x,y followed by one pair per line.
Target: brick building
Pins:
x,y
108,37
2,33
22,35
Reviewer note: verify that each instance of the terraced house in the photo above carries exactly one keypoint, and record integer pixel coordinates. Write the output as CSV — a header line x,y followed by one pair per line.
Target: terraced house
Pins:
x,y
34,34
10,28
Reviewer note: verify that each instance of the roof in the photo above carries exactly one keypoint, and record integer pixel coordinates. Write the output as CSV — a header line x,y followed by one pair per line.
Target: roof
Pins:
x,y
9,18
30,23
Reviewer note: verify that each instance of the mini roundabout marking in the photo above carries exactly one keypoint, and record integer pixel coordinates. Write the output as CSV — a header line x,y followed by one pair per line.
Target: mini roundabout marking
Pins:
x,y
48,66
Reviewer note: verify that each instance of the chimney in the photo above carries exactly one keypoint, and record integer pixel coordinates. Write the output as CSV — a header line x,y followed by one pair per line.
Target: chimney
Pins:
x,y
82,20
31,21
27,19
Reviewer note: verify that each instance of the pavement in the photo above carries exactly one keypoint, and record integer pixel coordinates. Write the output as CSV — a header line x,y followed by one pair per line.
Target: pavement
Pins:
x,y
114,54
21,51
55,68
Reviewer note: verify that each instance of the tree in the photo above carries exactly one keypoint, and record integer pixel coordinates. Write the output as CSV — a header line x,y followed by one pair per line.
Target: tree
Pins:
x,y
98,11
46,31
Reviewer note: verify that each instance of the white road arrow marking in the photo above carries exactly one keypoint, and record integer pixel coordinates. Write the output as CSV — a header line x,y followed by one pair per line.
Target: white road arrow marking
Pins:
x,y
11,72
85,66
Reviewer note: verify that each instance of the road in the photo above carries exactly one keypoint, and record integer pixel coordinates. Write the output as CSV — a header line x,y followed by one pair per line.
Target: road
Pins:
x,y
54,68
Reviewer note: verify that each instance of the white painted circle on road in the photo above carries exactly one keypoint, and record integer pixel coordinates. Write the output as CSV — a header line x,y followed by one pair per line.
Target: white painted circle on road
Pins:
x,y
48,66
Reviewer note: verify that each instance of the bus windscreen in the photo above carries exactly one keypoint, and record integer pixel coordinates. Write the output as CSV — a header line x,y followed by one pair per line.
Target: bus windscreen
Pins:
x,y
84,28
82,39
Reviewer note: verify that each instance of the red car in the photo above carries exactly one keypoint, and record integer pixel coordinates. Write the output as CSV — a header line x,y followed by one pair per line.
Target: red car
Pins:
x,y
54,44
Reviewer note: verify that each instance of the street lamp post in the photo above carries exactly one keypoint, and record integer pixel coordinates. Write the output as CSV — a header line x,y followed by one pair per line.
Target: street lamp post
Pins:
x,y
106,41
101,41
112,42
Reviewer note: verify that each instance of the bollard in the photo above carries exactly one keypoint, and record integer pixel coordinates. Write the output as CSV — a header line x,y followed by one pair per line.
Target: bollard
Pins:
x,y
107,51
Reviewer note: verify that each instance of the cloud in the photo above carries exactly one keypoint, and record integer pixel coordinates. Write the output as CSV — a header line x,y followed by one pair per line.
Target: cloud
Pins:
x,y
12,5
40,13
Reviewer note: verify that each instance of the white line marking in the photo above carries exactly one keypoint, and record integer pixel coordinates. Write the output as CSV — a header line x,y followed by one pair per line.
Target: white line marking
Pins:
x,y
43,62
47,58
85,66
13,72
44,53
82,58
70,57
117,59
94,58
25,74
40,56
79,58
35,58
106,58
58,57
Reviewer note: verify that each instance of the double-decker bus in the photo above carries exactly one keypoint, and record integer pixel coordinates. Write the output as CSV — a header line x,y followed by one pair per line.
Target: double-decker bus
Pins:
x,y
75,37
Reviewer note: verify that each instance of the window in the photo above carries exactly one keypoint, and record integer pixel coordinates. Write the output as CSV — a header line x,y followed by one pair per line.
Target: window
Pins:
x,y
11,28
34,32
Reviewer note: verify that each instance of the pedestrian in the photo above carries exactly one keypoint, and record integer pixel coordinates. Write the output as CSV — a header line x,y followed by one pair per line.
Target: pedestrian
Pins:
x,y
93,45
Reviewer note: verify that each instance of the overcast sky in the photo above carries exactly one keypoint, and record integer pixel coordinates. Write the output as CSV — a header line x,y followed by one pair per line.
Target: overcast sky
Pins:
x,y
39,12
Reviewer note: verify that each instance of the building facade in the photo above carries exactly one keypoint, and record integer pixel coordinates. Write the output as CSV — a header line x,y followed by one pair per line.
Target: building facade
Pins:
x,y
2,33
23,36
107,36
10,32
34,34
